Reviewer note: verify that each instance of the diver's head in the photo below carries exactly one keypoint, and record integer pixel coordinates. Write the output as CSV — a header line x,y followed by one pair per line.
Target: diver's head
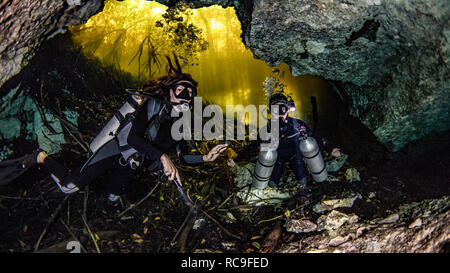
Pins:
x,y
178,89
284,106
181,94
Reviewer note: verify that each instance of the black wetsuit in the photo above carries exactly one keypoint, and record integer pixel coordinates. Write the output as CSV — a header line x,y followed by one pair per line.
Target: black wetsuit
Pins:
x,y
120,176
288,150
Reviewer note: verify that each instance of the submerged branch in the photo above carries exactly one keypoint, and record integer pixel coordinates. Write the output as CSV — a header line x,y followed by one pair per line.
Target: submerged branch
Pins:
x,y
50,221
142,200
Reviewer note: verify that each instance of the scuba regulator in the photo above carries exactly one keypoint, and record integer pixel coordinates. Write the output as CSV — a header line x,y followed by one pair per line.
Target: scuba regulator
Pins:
x,y
303,132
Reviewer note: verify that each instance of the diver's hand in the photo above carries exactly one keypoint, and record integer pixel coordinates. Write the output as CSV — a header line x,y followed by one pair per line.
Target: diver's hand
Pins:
x,y
215,152
169,169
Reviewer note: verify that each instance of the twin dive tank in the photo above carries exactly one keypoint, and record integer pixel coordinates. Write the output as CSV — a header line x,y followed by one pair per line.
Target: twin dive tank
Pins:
x,y
264,167
311,155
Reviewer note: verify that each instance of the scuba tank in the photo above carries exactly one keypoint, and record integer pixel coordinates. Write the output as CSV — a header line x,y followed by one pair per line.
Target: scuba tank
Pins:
x,y
312,156
109,130
264,167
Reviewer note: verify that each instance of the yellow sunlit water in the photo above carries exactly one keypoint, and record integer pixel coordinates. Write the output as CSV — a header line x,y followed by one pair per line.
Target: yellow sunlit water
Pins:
x,y
227,72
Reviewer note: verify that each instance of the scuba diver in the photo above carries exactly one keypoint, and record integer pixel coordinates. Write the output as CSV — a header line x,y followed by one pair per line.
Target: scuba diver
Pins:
x,y
288,152
130,140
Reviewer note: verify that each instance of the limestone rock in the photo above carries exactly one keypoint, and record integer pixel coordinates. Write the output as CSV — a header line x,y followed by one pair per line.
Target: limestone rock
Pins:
x,y
198,223
5,152
336,164
300,225
25,24
352,174
334,220
430,234
339,240
334,203
390,219
416,223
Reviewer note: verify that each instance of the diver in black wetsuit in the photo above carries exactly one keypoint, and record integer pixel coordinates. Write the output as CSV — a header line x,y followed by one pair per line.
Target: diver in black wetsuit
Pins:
x,y
146,138
288,147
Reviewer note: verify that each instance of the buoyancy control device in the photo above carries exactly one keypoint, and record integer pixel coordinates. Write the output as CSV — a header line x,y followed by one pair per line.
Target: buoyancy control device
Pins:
x,y
313,157
130,156
117,128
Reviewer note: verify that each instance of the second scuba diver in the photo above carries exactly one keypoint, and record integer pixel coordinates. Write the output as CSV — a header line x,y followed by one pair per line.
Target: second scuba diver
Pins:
x,y
143,136
290,132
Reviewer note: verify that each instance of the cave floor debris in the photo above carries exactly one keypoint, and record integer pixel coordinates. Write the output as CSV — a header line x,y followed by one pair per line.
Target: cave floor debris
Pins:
x,y
35,217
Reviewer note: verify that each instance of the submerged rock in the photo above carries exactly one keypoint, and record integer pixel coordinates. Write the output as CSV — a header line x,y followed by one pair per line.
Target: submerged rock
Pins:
x,y
198,223
257,197
243,174
268,195
5,152
412,233
352,174
300,225
390,219
336,163
334,220
416,223
334,203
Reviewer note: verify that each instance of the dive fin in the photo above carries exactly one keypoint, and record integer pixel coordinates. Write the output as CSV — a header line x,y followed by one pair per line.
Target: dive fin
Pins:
x,y
13,168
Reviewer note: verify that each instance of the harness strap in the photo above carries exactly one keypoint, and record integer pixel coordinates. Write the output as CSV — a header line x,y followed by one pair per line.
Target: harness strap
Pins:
x,y
260,178
132,102
324,166
125,147
291,136
267,166
309,157
119,116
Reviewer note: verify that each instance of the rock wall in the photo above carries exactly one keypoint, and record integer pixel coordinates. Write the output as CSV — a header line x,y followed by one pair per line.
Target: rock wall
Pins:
x,y
24,24
391,56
